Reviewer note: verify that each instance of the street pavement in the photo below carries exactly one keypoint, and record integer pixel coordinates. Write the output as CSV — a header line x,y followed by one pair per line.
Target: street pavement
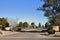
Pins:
x,y
27,36
29,39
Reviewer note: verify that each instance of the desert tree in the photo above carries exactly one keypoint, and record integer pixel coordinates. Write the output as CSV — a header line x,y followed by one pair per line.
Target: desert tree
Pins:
x,y
52,11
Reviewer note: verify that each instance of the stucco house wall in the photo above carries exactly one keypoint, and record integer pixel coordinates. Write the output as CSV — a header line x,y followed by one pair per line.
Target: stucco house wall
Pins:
x,y
56,28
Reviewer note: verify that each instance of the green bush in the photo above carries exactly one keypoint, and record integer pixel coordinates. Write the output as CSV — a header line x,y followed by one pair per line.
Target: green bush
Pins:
x,y
17,29
51,31
3,28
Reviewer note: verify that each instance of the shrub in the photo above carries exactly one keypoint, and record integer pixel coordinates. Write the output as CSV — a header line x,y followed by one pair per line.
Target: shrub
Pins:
x,y
3,28
51,31
17,29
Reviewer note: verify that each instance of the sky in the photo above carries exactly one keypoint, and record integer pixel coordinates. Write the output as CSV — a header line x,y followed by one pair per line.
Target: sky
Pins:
x,y
24,10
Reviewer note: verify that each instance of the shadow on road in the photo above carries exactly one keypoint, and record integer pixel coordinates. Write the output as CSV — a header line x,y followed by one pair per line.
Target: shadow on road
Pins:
x,y
33,31
45,34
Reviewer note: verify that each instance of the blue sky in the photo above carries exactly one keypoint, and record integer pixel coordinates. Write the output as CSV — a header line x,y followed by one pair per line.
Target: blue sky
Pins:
x,y
24,10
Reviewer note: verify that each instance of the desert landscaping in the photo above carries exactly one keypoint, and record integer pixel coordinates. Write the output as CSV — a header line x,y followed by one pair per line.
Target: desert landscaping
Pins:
x,y
29,19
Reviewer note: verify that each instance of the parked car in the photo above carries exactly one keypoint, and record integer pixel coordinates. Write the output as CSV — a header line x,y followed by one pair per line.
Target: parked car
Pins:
x,y
7,28
46,30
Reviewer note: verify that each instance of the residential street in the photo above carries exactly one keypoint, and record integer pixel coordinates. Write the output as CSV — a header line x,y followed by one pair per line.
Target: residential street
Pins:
x,y
27,36
29,39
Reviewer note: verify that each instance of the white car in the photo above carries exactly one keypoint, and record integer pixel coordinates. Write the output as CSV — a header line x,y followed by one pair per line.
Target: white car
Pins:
x,y
7,28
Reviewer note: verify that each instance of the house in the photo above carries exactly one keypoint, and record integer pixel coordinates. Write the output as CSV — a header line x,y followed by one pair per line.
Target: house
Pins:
x,y
56,28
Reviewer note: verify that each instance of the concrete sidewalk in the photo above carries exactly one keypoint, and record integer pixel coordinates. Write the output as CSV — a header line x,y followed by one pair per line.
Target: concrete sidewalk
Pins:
x,y
7,33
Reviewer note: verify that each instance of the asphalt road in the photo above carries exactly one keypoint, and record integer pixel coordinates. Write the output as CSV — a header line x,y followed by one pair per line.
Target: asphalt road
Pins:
x,y
27,36
28,39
